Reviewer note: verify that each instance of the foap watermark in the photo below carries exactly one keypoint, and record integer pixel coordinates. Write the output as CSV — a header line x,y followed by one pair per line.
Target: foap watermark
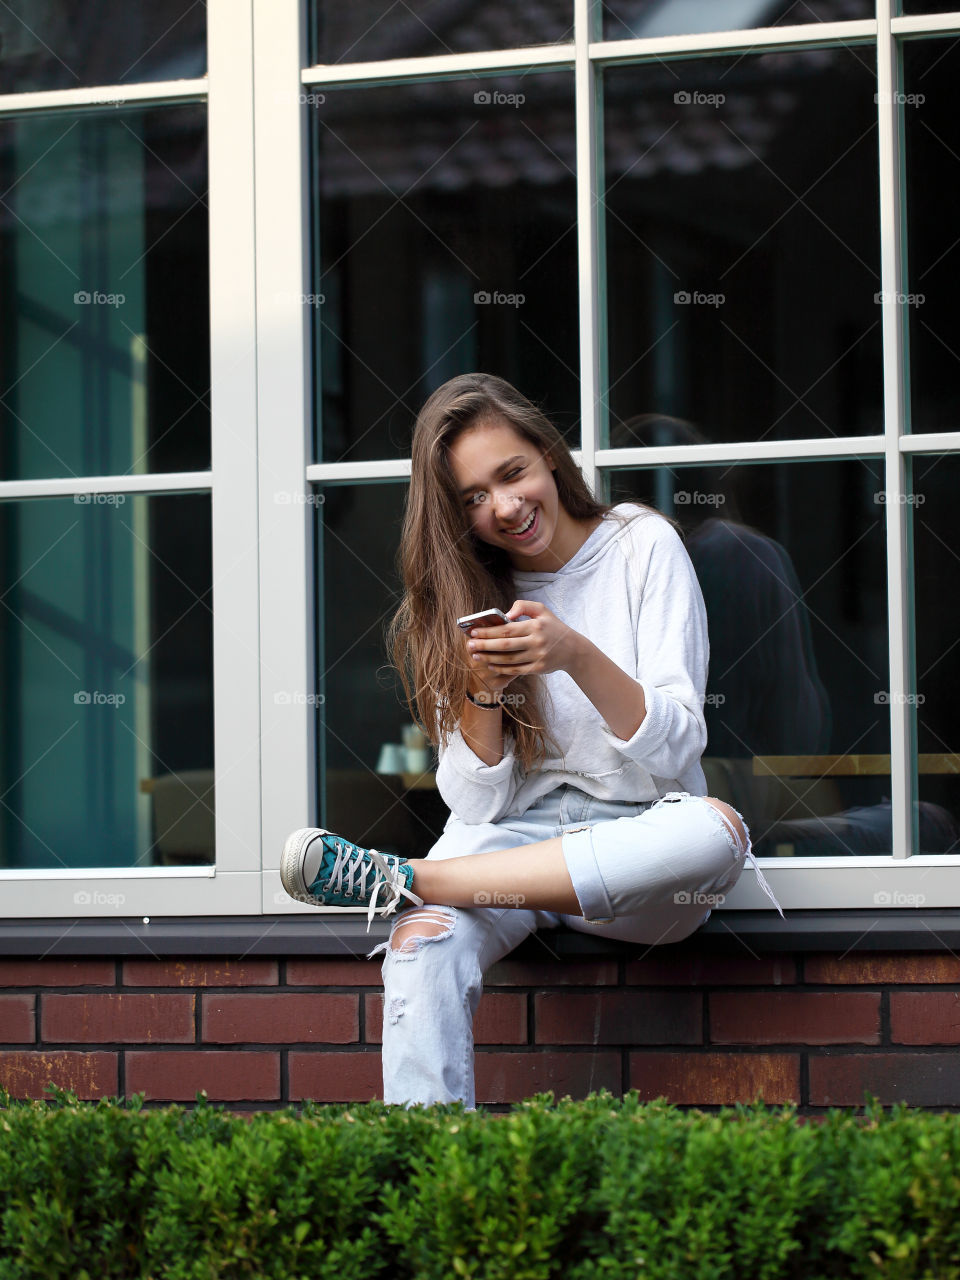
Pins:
x,y
896,898
107,100
96,898
687,897
94,698
282,899
713,699
495,898
885,699
301,299
287,498
101,499
902,299
97,298
904,499
695,298
295,698
694,98
483,298
496,98
694,498
887,99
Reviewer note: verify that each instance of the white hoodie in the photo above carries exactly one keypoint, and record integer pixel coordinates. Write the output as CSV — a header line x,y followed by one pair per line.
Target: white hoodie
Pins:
x,y
632,590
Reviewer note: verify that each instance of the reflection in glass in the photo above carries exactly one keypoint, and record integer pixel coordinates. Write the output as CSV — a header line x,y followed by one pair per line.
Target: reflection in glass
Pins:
x,y
104,300
790,559
742,243
932,143
936,579
646,19
445,217
929,6
370,794
369,30
106,652
63,45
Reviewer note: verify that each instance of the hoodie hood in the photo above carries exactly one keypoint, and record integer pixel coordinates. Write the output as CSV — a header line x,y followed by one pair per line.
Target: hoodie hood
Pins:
x,y
608,532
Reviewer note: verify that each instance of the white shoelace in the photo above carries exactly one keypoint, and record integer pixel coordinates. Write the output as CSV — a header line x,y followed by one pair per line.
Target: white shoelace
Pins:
x,y
352,866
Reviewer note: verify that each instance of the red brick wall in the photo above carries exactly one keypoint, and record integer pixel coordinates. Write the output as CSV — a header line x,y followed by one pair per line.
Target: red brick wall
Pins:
x,y
698,1027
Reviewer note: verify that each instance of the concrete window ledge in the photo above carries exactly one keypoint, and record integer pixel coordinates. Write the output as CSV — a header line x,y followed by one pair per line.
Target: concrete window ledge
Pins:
x,y
343,937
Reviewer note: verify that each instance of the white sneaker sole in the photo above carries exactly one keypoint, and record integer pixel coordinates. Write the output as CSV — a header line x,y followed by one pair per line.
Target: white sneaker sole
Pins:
x,y
291,864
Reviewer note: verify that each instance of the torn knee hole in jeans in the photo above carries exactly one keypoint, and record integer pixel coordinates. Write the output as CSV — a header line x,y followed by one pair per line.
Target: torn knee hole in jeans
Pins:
x,y
442,918
396,1010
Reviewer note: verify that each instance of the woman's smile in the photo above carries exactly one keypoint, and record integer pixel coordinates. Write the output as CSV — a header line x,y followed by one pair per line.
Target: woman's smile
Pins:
x,y
528,527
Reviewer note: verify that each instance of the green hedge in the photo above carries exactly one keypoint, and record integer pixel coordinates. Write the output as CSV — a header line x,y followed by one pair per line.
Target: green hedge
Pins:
x,y
593,1190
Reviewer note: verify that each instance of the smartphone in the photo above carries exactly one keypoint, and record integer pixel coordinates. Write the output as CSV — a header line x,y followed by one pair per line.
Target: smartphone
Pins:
x,y
485,618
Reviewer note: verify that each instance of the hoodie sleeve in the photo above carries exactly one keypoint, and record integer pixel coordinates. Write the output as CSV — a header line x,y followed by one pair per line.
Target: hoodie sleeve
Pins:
x,y
474,791
672,653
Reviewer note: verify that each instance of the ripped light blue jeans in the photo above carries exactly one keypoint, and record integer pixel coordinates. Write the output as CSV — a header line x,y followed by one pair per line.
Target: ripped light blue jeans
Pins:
x,y
647,873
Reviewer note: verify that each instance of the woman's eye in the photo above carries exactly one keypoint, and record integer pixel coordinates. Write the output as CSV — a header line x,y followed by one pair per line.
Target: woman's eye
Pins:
x,y
515,472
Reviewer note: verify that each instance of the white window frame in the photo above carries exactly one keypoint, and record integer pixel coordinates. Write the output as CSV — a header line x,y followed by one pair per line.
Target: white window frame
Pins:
x,y
264,572
800,883
232,885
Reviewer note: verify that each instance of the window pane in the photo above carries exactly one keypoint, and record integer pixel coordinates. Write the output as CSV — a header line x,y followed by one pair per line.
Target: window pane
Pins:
x,y
932,139
790,559
742,243
937,589
58,44
369,30
104,306
106,650
446,219
929,6
644,19
374,789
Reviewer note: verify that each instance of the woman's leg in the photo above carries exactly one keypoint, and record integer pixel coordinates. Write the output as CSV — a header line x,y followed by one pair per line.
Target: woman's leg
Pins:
x,y
433,973
537,876
432,983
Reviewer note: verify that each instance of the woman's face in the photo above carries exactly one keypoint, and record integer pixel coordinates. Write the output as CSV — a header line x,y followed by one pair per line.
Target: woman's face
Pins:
x,y
510,495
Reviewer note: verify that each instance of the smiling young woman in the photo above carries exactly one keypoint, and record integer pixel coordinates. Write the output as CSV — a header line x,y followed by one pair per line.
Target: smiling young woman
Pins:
x,y
569,738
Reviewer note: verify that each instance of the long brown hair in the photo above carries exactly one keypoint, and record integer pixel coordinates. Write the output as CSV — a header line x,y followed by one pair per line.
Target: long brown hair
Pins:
x,y
447,571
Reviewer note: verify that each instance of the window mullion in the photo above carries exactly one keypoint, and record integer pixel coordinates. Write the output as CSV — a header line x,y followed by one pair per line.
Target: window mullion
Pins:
x,y
282,361
588,191
892,282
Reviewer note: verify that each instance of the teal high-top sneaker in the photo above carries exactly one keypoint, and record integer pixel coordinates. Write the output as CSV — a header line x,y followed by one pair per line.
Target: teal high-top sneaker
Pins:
x,y
328,871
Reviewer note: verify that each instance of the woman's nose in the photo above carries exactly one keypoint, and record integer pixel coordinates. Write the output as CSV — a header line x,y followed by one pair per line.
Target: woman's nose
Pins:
x,y
505,504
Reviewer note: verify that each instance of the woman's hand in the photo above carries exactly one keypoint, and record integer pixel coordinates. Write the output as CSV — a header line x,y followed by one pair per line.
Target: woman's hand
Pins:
x,y
539,644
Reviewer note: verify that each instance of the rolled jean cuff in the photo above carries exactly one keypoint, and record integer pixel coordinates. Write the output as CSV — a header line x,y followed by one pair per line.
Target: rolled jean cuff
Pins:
x,y
588,884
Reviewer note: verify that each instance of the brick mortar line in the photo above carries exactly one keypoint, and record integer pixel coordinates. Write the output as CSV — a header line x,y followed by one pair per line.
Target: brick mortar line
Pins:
x,y
886,1025
897,1048
803,1080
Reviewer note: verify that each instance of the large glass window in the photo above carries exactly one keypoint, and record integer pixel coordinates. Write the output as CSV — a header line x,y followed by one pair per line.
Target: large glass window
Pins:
x,y
747,204
104,298
106,632
932,133
936,700
796,704
106,655
446,241
62,45
742,244
378,770
686,253
369,30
